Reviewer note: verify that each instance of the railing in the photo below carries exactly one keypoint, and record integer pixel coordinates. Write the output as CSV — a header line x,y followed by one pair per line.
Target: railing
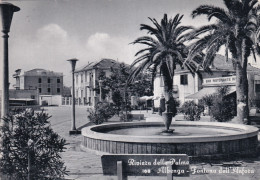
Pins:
x,y
78,101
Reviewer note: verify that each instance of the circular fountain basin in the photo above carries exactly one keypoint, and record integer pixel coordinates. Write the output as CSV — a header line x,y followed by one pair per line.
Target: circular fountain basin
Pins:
x,y
196,139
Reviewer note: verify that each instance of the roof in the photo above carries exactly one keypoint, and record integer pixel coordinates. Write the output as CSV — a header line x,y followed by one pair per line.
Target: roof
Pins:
x,y
102,64
42,72
220,64
207,91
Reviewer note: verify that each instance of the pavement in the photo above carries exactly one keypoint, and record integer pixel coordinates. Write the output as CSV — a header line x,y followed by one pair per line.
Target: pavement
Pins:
x,y
86,164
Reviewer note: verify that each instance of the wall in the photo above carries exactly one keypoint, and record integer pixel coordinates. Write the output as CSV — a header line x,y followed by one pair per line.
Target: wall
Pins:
x,y
32,82
24,94
193,86
158,90
253,96
84,85
51,100
185,90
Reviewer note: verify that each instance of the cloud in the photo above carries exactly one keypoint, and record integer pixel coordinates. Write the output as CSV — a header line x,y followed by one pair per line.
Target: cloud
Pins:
x,y
52,45
51,32
103,45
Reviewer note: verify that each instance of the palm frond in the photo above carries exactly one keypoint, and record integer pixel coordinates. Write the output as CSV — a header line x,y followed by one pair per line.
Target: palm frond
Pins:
x,y
138,70
234,6
253,52
211,51
141,58
199,31
211,11
180,30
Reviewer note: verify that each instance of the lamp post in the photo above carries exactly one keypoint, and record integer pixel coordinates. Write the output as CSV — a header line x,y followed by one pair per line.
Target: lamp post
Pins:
x,y
6,10
73,124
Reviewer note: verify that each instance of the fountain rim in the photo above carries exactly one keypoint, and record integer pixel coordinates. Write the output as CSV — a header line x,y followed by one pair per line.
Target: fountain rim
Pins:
x,y
247,131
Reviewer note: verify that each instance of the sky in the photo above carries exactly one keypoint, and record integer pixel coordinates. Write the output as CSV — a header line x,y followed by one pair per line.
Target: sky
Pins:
x,y
46,33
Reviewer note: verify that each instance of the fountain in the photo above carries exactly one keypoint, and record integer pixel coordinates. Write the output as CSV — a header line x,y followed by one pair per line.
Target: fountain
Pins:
x,y
197,139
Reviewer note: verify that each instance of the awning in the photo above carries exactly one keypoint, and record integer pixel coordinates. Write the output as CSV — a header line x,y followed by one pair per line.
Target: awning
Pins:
x,y
207,91
145,98
156,97
21,99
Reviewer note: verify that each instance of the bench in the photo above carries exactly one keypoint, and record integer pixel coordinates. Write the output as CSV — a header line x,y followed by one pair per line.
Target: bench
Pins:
x,y
124,165
137,116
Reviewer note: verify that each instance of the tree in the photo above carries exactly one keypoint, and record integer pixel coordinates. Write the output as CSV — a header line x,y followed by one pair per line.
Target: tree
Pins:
x,y
31,148
116,86
164,49
233,27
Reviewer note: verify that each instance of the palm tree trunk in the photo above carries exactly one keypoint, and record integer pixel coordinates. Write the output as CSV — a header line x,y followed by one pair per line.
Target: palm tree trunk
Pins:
x,y
242,94
241,85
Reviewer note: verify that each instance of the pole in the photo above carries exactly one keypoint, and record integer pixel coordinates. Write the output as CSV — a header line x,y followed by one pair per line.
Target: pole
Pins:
x,y
6,15
5,82
73,125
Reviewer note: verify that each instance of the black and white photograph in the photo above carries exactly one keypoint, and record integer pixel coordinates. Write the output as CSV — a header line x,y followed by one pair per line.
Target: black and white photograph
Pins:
x,y
130,90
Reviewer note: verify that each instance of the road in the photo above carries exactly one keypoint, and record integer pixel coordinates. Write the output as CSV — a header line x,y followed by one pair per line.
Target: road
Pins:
x,y
61,118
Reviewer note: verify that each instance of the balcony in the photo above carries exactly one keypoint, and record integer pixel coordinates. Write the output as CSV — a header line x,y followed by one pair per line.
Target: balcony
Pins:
x,y
16,75
16,86
89,84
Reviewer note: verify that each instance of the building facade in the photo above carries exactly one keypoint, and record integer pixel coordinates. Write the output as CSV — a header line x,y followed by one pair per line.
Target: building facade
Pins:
x,y
188,86
87,80
44,81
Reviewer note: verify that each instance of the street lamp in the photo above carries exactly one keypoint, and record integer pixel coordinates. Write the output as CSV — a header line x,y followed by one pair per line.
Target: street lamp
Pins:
x,y
73,125
6,11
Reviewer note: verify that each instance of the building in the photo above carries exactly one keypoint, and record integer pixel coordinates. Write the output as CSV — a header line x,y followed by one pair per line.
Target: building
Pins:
x,y
188,86
87,80
45,81
20,97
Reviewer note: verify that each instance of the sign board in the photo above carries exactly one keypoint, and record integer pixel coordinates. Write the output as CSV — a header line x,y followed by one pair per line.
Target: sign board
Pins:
x,y
219,81
147,164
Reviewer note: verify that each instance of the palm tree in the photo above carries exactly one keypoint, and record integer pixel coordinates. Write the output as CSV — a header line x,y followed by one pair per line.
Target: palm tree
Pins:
x,y
164,49
233,27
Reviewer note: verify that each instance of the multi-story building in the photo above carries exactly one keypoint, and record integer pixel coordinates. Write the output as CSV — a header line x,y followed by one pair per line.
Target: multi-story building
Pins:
x,y
188,86
45,81
86,80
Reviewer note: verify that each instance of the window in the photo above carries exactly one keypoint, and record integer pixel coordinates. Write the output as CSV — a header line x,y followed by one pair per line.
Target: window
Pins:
x,y
77,93
40,80
40,90
49,90
257,88
184,79
86,76
58,80
81,78
77,79
58,90
49,80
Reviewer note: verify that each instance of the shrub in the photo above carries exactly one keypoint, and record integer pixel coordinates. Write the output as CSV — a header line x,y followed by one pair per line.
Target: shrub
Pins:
x,y
125,118
101,112
29,138
191,110
207,100
224,105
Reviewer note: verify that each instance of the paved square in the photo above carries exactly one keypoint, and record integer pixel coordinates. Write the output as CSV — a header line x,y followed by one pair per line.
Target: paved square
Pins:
x,y
86,165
